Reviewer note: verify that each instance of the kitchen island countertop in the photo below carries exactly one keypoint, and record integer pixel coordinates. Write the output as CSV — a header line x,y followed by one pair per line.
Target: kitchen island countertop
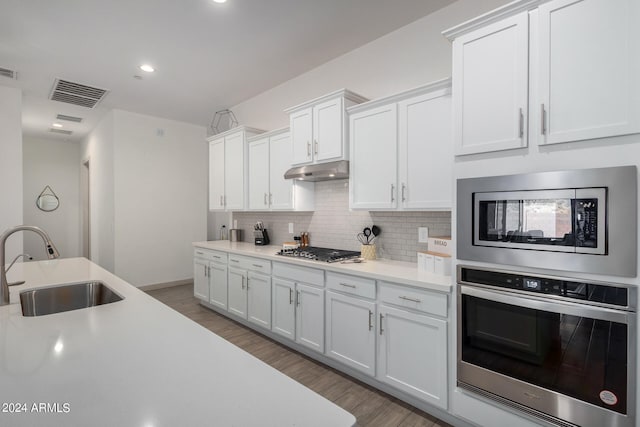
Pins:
x,y
136,362
387,270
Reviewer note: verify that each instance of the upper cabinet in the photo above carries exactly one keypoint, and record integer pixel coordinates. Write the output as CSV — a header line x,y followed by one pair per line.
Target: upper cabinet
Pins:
x,y
546,72
227,168
269,158
402,151
318,129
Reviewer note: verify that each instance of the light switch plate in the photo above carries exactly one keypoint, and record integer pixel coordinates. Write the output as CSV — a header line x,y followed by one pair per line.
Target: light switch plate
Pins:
x,y
423,234
290,228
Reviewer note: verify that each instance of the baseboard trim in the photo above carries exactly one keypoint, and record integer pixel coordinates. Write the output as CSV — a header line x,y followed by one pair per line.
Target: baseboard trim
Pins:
x,y
156,286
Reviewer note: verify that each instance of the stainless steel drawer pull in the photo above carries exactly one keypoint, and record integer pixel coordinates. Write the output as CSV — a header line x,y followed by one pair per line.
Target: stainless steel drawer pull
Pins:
x,y
392,188
290,296
258,265
205,270
234,260
265,198
221,201
381,317
315,150
370,320
348,285
403,188
409,299
242,282
247,283
270,198
543,119
217,257
200,253
308,149
297,297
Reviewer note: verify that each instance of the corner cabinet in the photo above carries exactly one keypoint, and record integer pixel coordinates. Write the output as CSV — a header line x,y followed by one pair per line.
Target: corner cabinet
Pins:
x,y
546,72
269,159
227,168
402,152
318,128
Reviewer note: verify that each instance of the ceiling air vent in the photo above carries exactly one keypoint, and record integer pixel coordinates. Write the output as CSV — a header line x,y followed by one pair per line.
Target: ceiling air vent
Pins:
x,y
61,131
5,72
76,93
69,118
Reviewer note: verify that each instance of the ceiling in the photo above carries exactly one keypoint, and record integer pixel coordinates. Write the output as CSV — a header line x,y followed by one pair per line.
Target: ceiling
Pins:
x,y
208,56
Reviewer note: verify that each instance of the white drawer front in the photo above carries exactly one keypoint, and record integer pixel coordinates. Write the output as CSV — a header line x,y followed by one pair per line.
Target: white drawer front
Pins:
x,y
215,256
298,273
351,284
416,299
247,263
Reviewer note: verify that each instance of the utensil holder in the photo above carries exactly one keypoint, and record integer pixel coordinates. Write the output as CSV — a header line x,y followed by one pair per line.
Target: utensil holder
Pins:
x,y
368,251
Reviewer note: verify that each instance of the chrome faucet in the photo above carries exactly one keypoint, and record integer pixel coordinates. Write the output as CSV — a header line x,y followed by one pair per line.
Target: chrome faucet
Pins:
x,y
52,252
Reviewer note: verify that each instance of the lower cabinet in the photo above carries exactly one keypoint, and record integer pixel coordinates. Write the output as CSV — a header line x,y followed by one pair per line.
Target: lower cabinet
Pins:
x,y
412,354
298,310
201,279
218,285
351,332
259,299
237,292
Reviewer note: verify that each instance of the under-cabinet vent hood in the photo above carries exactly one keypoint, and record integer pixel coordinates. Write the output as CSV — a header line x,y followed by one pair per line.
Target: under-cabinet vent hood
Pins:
x,y
319,172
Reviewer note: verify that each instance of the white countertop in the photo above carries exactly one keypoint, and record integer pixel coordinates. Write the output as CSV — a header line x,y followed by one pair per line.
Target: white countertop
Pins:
x,y
393,271
136,362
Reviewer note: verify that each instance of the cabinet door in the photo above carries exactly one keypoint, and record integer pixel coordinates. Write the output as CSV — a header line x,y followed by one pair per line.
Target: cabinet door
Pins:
x,y
259,299
426,152
351,335
259,174
234,171
412,354
310,317
300,123
237,292
279,163
328,130
588,69
283,308
216,175
374,143
218,285
490,78
201,279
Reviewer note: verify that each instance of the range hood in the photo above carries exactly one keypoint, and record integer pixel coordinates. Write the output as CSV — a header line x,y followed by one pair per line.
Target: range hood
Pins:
x,y
320,172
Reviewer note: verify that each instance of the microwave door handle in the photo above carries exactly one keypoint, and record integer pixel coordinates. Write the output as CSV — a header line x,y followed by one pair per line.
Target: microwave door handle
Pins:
x,y
538,303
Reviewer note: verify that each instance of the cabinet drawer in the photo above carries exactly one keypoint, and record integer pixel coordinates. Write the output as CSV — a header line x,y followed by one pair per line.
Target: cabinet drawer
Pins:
x,y
297,273
210,255
351,284
247,263
416,299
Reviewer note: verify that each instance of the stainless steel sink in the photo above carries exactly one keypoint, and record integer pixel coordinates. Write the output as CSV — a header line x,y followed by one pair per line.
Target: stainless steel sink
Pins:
x,y
59,298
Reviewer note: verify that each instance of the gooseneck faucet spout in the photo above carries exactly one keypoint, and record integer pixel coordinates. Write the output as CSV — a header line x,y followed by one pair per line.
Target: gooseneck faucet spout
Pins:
x,y
52,252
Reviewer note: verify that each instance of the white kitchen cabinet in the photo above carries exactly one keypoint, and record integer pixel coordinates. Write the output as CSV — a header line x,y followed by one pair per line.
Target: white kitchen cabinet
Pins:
x,y
237,291
588,69
548,72
412,341
228,164
490,84
373,170
259,299
412,354
351,332
402,151
218,284
201,279
318,128
298,304
269,159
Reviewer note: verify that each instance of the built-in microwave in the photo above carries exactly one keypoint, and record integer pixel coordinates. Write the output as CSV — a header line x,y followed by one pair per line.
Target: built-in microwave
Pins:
x,y
580,220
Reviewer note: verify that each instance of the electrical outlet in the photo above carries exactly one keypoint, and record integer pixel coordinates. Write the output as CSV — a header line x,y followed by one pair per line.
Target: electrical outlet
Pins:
x,y
423,234
235,223
290,228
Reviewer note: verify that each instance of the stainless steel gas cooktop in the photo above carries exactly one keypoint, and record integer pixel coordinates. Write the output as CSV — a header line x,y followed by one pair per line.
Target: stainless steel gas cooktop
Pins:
x,y
320,254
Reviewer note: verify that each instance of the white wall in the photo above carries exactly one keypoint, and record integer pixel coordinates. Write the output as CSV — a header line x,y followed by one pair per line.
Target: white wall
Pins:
x,y
160,173
98,147
54,163
408,57
11,165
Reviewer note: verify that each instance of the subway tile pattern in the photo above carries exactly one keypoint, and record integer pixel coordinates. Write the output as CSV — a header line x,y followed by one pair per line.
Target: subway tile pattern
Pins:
x,y
333,225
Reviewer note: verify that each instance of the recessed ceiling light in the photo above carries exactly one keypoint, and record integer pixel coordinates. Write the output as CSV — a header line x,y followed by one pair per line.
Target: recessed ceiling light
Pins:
x,y
220,1
57,125
148,68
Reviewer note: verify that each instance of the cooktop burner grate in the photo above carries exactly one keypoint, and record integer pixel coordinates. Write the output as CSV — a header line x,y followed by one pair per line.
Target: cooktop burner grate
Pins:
x,y
320,254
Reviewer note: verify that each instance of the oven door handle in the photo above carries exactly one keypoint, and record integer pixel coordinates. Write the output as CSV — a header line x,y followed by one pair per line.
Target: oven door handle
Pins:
x,y
537,303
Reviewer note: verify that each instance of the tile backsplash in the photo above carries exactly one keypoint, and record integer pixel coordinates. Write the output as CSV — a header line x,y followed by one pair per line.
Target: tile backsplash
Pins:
x,y
333,225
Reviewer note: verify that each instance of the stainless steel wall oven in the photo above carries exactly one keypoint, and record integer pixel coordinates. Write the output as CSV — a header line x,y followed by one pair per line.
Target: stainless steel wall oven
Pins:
x,y
562,349
580,220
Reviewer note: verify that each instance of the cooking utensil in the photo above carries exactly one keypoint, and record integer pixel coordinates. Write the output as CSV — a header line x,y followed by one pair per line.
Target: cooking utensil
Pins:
x,y
367,234
375,230
362,238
